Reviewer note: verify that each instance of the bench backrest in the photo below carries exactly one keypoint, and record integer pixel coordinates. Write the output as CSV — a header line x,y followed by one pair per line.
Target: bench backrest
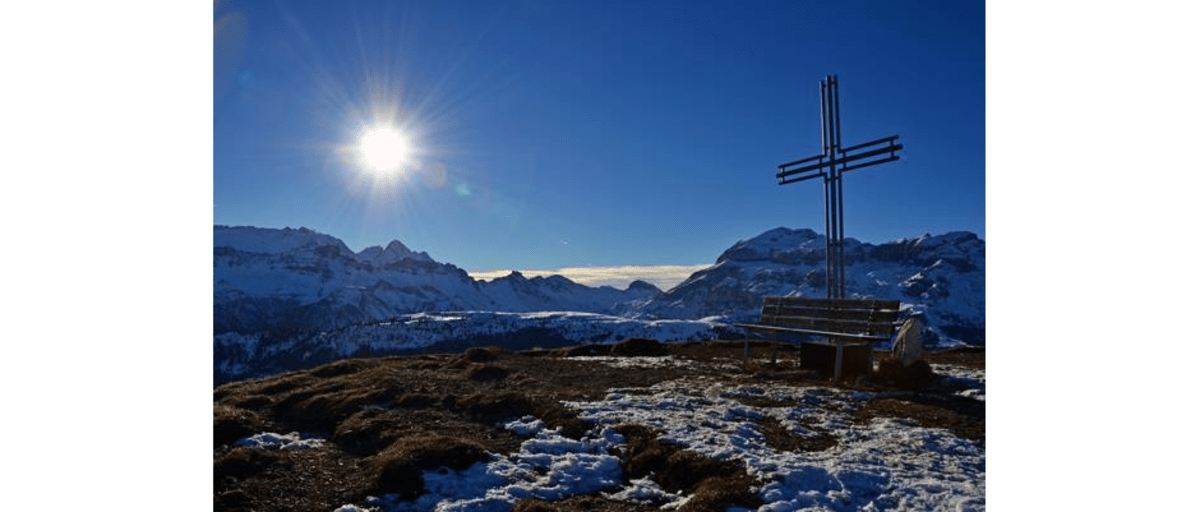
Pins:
x,y
850,316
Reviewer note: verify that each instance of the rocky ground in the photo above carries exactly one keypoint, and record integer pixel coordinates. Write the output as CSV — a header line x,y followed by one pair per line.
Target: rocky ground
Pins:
x,y
387,421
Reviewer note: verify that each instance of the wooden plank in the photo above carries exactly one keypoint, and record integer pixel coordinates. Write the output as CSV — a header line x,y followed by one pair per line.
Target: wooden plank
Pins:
x,y
865,315
770,318
831,325
841,303
817,320
864,338
832,303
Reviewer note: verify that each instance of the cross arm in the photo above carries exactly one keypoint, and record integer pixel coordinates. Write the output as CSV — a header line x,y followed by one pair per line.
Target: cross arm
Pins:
x,y
890,149
789,175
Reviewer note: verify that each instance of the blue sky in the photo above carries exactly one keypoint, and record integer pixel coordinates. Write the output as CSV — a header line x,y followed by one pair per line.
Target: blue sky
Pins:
x,y
551,134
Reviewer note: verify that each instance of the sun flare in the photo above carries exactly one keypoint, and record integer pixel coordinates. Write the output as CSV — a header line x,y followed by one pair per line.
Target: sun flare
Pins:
x,y
383,149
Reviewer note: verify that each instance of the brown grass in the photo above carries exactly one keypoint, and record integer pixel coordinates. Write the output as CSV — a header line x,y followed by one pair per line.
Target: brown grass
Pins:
x,y
486,373
232,423
398,468
780,438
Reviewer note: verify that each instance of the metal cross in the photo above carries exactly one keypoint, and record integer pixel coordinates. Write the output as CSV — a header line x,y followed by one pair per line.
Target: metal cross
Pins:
x,y
830,164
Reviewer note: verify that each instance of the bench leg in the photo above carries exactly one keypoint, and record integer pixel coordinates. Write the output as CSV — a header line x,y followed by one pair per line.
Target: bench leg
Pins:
x,y
837,364
870,363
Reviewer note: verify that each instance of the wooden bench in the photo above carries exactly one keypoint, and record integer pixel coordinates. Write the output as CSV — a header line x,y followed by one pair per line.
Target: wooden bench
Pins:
x,y
856,323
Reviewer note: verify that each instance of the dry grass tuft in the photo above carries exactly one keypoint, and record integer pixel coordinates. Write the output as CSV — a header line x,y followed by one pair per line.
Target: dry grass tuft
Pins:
x,y
486,373
323,412
533,506
492,408
233,423
343,367
323,403
368,431
724,491
398,468
417,401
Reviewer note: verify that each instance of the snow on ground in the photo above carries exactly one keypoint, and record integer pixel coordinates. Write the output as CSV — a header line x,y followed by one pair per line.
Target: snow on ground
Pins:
x,y
648,362
271,440
886,464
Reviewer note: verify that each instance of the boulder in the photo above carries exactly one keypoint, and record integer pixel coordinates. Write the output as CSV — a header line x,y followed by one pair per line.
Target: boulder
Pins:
x,y
909,346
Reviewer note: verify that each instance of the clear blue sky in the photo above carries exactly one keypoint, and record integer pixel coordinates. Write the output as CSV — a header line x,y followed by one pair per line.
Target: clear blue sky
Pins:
x,y
550,134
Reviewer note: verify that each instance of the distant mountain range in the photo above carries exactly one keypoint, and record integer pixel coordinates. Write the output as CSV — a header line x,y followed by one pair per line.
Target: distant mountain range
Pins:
x,y
292,298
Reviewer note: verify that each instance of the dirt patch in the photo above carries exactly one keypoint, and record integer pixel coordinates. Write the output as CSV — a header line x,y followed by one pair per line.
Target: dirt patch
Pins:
x,y
247,479
243,462
963,416
779,437
966,356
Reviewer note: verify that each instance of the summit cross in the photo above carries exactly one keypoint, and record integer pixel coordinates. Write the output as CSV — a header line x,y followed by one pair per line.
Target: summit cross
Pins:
x,y
830,164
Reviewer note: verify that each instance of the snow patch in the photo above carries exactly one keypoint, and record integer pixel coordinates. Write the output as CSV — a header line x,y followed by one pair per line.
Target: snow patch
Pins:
x,y
273,441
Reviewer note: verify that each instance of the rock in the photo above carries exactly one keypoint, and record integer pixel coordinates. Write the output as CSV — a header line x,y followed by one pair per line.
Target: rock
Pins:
x,y
909,346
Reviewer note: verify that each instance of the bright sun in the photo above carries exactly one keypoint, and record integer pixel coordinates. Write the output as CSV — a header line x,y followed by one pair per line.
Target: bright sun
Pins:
x,y
383,149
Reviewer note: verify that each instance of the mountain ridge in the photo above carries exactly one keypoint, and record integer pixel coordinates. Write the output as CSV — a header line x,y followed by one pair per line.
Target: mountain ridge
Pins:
x,y
297,288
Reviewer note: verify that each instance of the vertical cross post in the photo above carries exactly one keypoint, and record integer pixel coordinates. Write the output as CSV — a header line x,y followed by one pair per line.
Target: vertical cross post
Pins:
x,y
831,143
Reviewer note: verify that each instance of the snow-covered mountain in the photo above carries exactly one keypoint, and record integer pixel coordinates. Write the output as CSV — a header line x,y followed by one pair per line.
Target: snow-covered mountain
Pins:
x,y
290,298
298,279
395,251
940,277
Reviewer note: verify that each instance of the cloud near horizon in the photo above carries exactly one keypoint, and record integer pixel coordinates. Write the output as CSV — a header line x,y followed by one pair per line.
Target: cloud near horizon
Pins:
x,y
662,276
